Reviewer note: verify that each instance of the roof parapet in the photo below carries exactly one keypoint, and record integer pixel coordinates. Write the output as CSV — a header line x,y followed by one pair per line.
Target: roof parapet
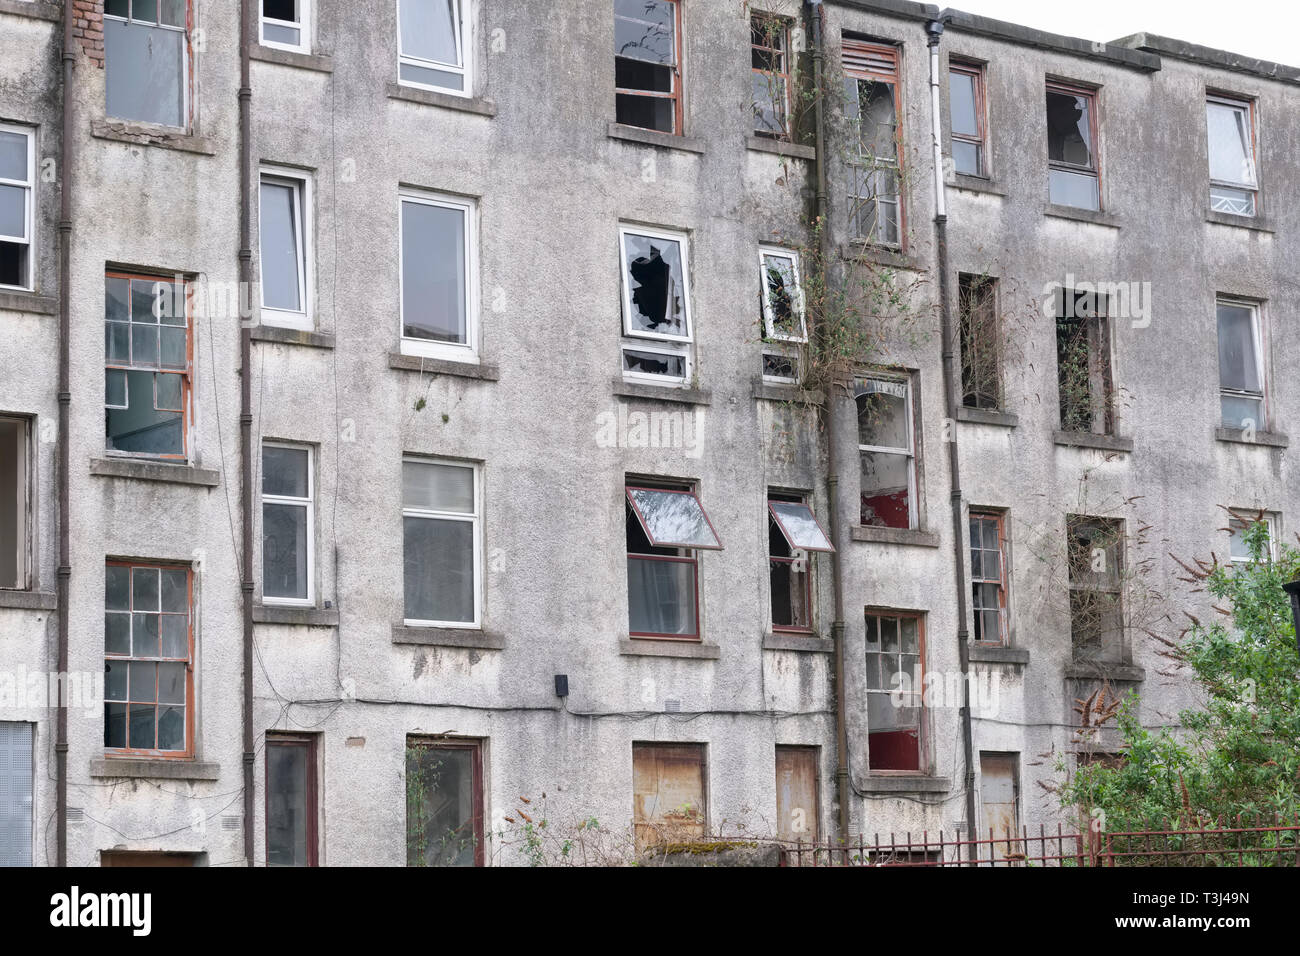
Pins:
x,y
1208,56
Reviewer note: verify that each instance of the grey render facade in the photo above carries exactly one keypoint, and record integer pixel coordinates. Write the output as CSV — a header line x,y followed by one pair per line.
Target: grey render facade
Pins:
x,y
540,411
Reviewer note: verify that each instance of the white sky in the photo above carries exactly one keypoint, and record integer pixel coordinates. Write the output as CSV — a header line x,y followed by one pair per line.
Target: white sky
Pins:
x,y
1265,29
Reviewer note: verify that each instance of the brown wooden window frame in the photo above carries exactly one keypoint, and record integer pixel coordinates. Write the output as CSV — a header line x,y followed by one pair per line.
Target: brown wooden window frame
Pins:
x,y
813,753
475,746
1001,582
923,743
21,506
1095,330
189,662
311,742
892,78
675,95
769,27
980,140
187,79
1094,169
186,374
1074,586
981,359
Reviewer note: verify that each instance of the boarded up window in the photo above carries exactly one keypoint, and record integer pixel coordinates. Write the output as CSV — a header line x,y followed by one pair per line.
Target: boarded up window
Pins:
x,y
668,802
15,794
1000,800
444,803
796,794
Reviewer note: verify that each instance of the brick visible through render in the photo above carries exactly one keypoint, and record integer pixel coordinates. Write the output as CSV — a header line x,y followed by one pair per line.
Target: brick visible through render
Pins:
x,y
88,28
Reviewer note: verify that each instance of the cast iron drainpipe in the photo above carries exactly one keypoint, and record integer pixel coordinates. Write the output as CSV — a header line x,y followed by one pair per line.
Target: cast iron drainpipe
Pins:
x,y
64,570
246,412
951,383
832,447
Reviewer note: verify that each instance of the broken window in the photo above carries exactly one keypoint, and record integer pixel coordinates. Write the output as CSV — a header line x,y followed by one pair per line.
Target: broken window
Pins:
x,y
1241,365
17,775
291,800
783,305
1083,364
1094,551
989,578
444,802
285,24
895,670
288,524
769,38
147,60
284,228
647,64
966,117
438,249
780,366
148,649
433,47
668,793
871,81
887,451
1000,802
1240,520
148,356
442,543
15,502
666,525
17,205
981,374
1231,131
656,305
793,534
1072,169
797,810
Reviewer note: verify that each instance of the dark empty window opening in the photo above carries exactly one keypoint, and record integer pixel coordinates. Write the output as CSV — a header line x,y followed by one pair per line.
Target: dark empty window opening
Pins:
x,y
1073,172
647,64
981,374
15,502
1083,363
1095,554
770,57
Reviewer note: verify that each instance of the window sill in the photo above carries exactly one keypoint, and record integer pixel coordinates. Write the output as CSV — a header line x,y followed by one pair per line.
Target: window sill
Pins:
x,y
149,134
1104,670
448,637
859,250
914,536
29,302
29,600
154,769
784,641
994,654
303,61
780,147
667,647
286,336
36,10
1238,436
436,366
662,393
650,137
449,101
289,614
1090,440
902,782
775,392
1253,223
976,184
1081,215
154,471
987,416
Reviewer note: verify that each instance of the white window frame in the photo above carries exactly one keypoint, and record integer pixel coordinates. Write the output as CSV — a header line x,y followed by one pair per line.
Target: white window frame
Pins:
x,y
791,354
467,353
1252,187
913,515
1257,339
655,349
187,59
1269,518
464,50
302,25
642,341
796,297
310,503
25,475
301,184
29,218
477,520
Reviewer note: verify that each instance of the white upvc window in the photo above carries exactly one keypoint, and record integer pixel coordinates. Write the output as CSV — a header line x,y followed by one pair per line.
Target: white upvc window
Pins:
x,y
438,272
288,524
657,330
783,301
1243,382
17,202
433,45
1239,520
442,543
1230,129
285,228
286,25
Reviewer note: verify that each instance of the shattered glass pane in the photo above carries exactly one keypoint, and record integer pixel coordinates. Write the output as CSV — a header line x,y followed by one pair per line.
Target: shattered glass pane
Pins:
x,y
656,278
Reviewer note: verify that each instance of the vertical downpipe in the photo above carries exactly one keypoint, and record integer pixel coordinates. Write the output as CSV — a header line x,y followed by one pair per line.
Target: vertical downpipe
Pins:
x,y
832,443
64,570
951,387
246,410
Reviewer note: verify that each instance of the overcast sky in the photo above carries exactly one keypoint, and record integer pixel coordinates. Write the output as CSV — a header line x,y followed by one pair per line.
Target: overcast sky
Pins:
x,y
1259,28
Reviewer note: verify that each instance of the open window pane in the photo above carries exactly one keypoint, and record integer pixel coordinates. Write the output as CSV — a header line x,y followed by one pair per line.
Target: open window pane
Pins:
x,y
282,245
782,297
1238,366
434,272
799,526
673,519
1231,149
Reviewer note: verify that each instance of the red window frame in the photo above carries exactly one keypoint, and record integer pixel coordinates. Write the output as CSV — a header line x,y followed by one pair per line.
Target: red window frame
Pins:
x,y
922,743
771,25
857,60
808,575
1090,94
980,141
676,94
691,556
190,702
186,375
998,518
476,749
310,742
